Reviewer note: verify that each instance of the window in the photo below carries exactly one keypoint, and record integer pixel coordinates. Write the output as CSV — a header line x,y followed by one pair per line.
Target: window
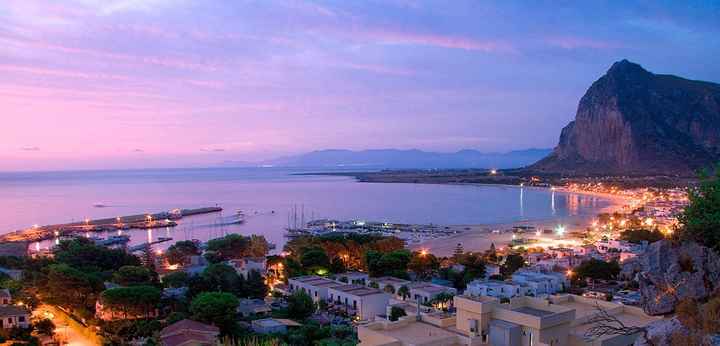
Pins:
x,y
354,304
21,318
346,301
315,293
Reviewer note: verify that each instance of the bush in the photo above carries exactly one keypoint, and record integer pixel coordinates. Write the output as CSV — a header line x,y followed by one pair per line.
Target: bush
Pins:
x,y
396,313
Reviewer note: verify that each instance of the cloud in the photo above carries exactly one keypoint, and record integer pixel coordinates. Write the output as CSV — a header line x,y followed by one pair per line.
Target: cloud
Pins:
x,y
217,150
138,150
30,149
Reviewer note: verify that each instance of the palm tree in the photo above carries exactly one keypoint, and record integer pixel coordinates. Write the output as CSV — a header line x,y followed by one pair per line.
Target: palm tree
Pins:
x,y
390,289
404,292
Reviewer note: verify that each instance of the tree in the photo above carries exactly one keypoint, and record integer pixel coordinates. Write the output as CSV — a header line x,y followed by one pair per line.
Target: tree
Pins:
x,y
701,218
132,275
474,266
255,285
372,258
83,254
176,279
181,252
637,236
300,305
442,300
459,251
491,254
512,263
423,264
396,313
403,292
132,301
597,270
44,326
389,289
314,259
218,308
222,277
67,286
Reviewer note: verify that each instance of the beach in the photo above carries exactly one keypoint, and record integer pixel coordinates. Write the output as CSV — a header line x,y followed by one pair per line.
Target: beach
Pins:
x,y
479,237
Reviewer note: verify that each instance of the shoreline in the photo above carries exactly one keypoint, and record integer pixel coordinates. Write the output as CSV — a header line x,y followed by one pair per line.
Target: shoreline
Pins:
x,y
479,237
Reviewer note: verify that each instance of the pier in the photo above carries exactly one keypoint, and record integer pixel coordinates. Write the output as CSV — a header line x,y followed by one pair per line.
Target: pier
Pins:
x,y
138,221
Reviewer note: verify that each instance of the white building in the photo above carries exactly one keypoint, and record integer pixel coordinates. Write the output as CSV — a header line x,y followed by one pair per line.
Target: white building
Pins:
x,y
315,286
385,281
426,291
358,278
245,265
360,301
496,289
542,283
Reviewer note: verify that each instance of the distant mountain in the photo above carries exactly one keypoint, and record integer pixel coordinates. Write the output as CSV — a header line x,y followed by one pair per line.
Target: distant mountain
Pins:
x,y
631,121
406,159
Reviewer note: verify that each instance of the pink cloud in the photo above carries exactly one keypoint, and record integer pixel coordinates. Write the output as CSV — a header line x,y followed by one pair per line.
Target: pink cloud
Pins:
x,y
436,40
61,73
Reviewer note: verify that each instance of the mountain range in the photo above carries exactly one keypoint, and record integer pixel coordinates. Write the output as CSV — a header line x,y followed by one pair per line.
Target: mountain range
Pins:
x,y
634,122
410,159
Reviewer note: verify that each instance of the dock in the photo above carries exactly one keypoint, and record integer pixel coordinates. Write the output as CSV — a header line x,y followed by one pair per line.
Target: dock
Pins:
x,y
138,221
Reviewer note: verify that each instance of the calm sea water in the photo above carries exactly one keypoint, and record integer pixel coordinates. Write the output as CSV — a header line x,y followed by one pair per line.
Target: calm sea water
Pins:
x,y
59,197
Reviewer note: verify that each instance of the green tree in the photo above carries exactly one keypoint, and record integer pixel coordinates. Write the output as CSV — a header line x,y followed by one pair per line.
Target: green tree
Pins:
x,y
423,264
701,218
181,252
512,263
222,277
83,254
396,313
300,305
133,300
176,279
315,258
403,292
597,270
132,275
637,236
70,287
218,308
255,286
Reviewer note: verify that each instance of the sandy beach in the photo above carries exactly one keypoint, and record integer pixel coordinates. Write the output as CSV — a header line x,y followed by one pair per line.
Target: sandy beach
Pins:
x,y
480,237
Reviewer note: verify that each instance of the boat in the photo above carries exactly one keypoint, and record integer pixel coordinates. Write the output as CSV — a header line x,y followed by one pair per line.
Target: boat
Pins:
x,y
100,205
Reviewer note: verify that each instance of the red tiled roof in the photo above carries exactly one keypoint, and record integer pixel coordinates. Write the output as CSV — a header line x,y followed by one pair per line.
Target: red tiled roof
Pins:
x,y
188,325
188,337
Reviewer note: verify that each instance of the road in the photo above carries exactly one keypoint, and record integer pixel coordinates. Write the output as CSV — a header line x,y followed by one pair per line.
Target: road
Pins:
x,y
68,332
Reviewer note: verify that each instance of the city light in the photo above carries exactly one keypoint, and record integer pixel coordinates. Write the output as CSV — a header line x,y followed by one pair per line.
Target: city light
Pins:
x,y
493,171
560,230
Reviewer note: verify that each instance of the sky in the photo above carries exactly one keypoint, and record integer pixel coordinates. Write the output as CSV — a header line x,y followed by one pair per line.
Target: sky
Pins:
x,y
100,84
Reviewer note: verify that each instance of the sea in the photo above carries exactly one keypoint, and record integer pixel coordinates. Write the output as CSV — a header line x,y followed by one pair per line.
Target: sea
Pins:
x,y
270,198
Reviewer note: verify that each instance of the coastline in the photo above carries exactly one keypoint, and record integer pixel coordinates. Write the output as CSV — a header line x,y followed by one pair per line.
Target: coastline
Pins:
x,y
479,237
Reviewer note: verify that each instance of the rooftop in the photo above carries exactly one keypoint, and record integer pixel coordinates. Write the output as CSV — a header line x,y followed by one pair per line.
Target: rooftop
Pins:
x,y
390,279
316,281
357,290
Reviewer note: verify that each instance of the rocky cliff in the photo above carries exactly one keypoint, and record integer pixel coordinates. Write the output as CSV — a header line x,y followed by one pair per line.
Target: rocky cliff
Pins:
x,y
631,121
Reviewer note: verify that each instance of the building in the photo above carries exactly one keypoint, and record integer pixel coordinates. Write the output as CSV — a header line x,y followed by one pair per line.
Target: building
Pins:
x,y
245,265
253,307
524,321
357,278
542,282
315,286
5,297
189,333
386,282
362,302
426,291
14,274
496,289
273,325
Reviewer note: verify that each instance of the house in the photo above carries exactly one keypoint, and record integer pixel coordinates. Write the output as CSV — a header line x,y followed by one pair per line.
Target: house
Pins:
x,y
12,316
189,333
358,278
253,307
426,291
496,289
357,300
5,297
542,282
557,321
14,249
388,283
245,265
14,274
273,325
491,269
315,286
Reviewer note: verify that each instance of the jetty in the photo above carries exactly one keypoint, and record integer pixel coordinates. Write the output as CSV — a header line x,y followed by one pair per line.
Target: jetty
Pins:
x,y
138,221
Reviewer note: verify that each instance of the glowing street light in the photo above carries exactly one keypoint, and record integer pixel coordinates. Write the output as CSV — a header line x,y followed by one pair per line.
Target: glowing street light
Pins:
x,y
423,252
493,171
560,230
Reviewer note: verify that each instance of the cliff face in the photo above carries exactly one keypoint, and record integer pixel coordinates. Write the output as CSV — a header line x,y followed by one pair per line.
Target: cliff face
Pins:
x,y
631,121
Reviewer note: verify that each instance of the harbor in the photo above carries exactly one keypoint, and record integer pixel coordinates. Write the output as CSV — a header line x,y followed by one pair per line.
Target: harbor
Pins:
x,y
139,221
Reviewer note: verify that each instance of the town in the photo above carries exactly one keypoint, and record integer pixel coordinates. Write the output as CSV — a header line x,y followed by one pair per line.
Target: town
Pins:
x,y
344,287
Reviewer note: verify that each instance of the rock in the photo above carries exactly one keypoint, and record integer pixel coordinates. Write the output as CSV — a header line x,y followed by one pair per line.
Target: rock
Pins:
x,y
659,332
668,273
631,121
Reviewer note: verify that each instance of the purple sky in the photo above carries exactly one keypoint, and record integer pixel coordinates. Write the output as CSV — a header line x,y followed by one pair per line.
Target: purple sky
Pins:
x,y
158,83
